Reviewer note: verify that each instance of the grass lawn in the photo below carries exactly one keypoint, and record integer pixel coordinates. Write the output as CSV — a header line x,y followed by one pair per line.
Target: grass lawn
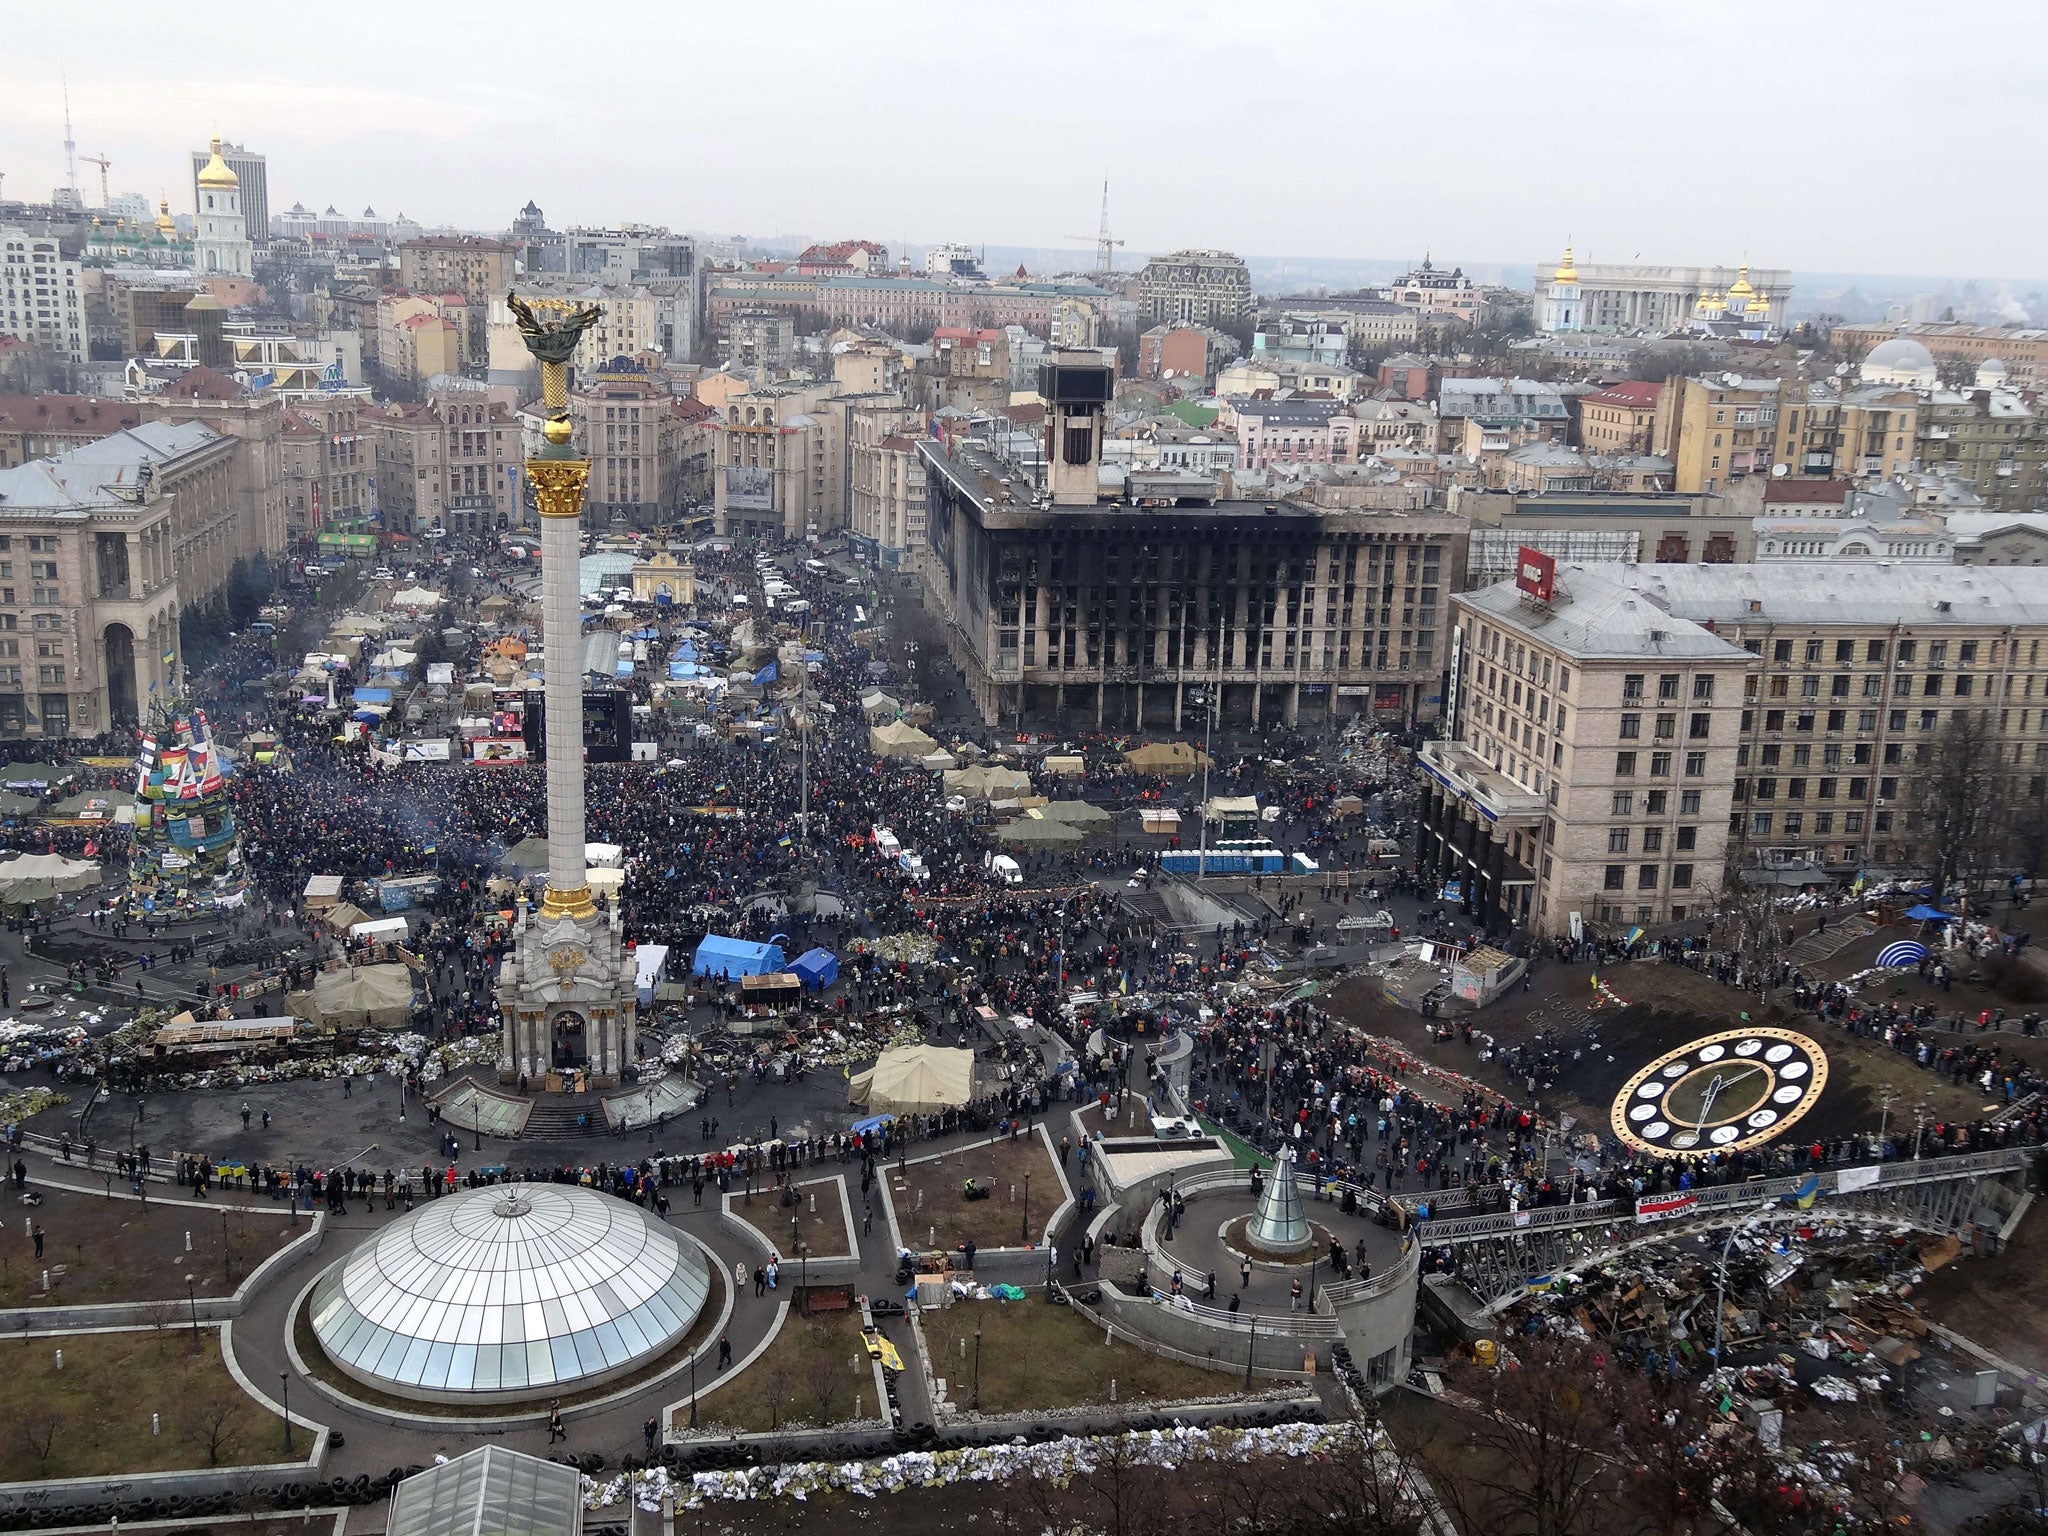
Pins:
x,y
824,1229
813,1375
318,1364
1000,1221
91,1419
100,1250
1036,1357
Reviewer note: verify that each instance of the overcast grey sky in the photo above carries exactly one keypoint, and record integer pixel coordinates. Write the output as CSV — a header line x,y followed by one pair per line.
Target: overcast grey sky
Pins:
x,y
1881,136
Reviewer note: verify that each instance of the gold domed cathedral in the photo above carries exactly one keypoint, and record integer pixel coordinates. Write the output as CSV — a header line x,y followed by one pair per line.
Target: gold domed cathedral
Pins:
x,y
222,247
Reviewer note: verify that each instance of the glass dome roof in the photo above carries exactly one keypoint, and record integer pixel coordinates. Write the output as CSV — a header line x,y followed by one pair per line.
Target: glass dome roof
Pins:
x,y
510,1291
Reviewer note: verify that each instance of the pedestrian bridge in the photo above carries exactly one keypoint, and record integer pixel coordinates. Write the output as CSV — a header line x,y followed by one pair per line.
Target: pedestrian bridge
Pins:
x,y
1500,1253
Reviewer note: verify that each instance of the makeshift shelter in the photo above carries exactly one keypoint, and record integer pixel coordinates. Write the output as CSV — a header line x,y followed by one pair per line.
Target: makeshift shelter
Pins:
x,y
94,805
1036,832
988,783
342,916
878,707
1076,813
529,853
1161,819
1166,757
915,1079
718,955
897,739
816,968
13,804
51,869
36,778
1238,814
416,597
370,996
1067,766
938,762
1923,913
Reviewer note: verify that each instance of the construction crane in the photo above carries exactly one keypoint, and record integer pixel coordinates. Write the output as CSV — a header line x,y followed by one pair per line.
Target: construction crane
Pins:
x,y
1105,248
106,199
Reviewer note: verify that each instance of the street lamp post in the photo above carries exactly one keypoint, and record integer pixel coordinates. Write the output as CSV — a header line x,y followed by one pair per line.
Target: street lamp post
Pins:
x,y
192,1300
1721,1295
693,1389
1024,1220
1250,1348
285,1377
976,1404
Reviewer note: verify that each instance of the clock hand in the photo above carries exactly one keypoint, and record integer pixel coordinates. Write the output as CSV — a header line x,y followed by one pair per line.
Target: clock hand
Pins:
x,y
1714,1086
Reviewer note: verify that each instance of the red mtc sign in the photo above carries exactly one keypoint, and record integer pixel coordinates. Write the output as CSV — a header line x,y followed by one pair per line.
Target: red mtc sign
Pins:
x,y
1536,574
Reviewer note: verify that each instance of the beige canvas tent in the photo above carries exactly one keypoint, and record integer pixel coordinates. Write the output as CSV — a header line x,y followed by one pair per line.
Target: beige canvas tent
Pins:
x,y
899,740
53,869
374,996
1166,757
915,1079
988,783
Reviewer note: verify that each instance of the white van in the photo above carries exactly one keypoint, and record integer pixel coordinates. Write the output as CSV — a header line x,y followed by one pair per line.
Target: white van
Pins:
x,y
1004,868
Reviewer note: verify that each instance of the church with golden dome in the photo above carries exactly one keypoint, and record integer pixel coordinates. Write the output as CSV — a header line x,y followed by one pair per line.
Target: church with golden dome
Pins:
x,y
1649,300
121,242
222,248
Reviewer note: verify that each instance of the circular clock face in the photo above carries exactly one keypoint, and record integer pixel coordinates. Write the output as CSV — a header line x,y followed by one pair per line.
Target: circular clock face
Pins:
x,y
1739,1089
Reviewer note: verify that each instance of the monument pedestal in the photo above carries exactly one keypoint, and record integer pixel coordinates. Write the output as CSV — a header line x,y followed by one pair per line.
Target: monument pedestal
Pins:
x,y
566,994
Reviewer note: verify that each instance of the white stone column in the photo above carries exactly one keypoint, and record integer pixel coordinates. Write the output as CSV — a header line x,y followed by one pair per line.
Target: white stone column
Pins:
x,y
562,634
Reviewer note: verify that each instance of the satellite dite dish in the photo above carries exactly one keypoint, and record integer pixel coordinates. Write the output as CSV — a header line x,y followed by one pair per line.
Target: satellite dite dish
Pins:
x,y
1841,370
1780,471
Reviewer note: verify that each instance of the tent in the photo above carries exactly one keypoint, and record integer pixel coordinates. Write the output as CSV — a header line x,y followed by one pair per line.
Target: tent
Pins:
x,y
988,783
1037,832
718,955
1165,757
36,777
416,597
817,968
378,996
12,804
342,916
1076,813
915,1079
1923,913
91,805
527,853
878,707
938,762
60,873
899,740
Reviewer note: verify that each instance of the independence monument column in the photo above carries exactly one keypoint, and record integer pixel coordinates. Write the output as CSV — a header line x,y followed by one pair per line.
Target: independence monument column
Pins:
x,y
567,990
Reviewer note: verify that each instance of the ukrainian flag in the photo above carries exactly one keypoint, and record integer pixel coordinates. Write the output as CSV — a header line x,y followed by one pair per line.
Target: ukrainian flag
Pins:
x,y
170,658
1806,1193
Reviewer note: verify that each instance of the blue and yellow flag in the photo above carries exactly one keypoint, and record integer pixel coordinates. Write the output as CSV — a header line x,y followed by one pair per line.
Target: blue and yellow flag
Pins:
x,y
1806,1193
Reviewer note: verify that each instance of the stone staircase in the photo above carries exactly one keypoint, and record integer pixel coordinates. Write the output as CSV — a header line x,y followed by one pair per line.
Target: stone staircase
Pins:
x,y
1830,941
554,1119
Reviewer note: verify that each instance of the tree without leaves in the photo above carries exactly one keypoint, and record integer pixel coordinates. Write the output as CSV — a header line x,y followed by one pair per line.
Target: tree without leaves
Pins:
x,y
41,1424
1747,922
1957,806
1535,1455
212,1420
826,1378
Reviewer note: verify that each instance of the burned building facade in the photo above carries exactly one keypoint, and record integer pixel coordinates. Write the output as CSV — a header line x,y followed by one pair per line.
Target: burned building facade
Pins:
x,y
1083,600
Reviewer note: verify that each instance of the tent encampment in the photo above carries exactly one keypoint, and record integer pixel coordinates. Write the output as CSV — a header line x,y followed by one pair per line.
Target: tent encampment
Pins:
x,y
1076,813
51,869
817,968
718,955
1037,832
1166,757
914,1079
375,996
897,739
527,853
988,783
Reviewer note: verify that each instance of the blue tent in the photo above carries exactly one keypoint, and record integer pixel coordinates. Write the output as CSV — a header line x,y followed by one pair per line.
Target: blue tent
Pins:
x,y
819,968
721,956
1926,914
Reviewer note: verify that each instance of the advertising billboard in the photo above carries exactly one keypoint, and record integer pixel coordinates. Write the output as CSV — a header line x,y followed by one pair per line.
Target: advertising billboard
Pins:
x,y
749,488
1536,573
496,749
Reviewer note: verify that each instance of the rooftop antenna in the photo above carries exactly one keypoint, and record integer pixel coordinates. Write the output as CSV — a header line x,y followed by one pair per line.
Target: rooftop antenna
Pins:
x,y
1105,248
70,144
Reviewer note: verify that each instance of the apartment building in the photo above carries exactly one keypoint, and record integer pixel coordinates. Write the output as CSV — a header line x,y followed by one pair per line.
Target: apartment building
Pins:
x,y
629,429
452,461
886,496
1619,419
1195,288
328,464
779,470
478,269
1991,439
1587,757
41,300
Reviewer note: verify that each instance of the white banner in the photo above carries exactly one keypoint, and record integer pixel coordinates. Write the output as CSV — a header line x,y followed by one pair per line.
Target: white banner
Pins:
x,y
1847,1179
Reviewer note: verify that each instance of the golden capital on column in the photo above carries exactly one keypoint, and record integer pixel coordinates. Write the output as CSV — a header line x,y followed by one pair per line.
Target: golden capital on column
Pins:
x,y
577,903
558,485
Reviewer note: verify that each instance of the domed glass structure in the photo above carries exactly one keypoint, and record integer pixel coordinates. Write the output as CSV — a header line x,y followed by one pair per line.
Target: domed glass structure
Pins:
x,y
507,1292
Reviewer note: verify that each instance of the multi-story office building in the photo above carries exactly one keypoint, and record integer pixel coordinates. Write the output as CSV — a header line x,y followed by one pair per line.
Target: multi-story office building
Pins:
x,y
41,300
1587,755
1807,758
452,461
886,498
1068,607
1619,419
328,463
252,183
780,467
629,429
89,596
1195,288
252,426
1598,527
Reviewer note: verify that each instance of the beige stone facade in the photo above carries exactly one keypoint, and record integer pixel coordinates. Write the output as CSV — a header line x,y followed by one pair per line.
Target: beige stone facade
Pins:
x,y
328,463
780,463
628,428
452,462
